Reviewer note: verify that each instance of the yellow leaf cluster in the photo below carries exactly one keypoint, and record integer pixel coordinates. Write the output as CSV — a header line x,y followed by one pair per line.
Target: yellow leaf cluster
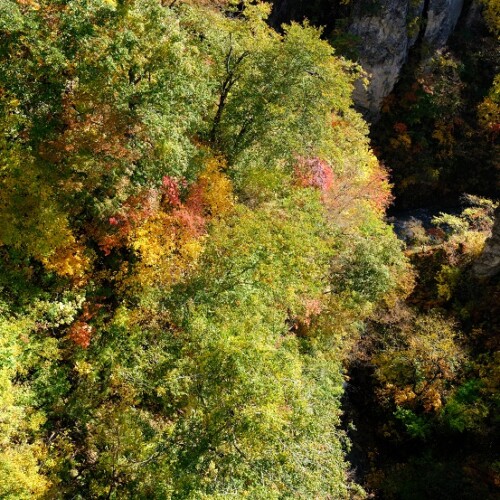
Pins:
x,y
216,189
20,477
167,252
403,141
432,400
404,396
68,260
443,134
492,14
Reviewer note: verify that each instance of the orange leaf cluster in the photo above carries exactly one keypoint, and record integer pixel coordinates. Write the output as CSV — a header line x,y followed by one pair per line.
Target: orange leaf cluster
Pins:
x,y
80,331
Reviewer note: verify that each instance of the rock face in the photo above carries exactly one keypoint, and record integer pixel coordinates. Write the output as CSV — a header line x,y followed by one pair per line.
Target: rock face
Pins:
x,y
442,18
488,265
387,31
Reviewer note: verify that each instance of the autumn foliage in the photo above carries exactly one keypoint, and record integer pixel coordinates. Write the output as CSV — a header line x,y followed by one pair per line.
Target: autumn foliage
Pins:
x,y
190,245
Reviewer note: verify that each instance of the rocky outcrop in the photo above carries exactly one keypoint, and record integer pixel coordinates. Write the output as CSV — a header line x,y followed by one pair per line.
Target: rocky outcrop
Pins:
x,y
384,45
442,18
488,264
388,31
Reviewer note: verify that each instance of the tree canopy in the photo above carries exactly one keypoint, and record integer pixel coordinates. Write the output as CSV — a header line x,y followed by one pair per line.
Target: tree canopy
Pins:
x,y
191,236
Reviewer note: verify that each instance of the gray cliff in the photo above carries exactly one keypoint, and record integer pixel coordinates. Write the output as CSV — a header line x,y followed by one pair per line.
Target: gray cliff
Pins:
x,y
488,264
387,31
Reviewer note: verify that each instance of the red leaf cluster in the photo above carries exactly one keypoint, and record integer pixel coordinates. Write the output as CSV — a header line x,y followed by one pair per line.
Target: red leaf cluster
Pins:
x,y
400,128
135,210
313,172
171,192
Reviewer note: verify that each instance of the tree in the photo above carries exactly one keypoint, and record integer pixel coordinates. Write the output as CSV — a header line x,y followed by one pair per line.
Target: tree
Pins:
x,y
196,216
